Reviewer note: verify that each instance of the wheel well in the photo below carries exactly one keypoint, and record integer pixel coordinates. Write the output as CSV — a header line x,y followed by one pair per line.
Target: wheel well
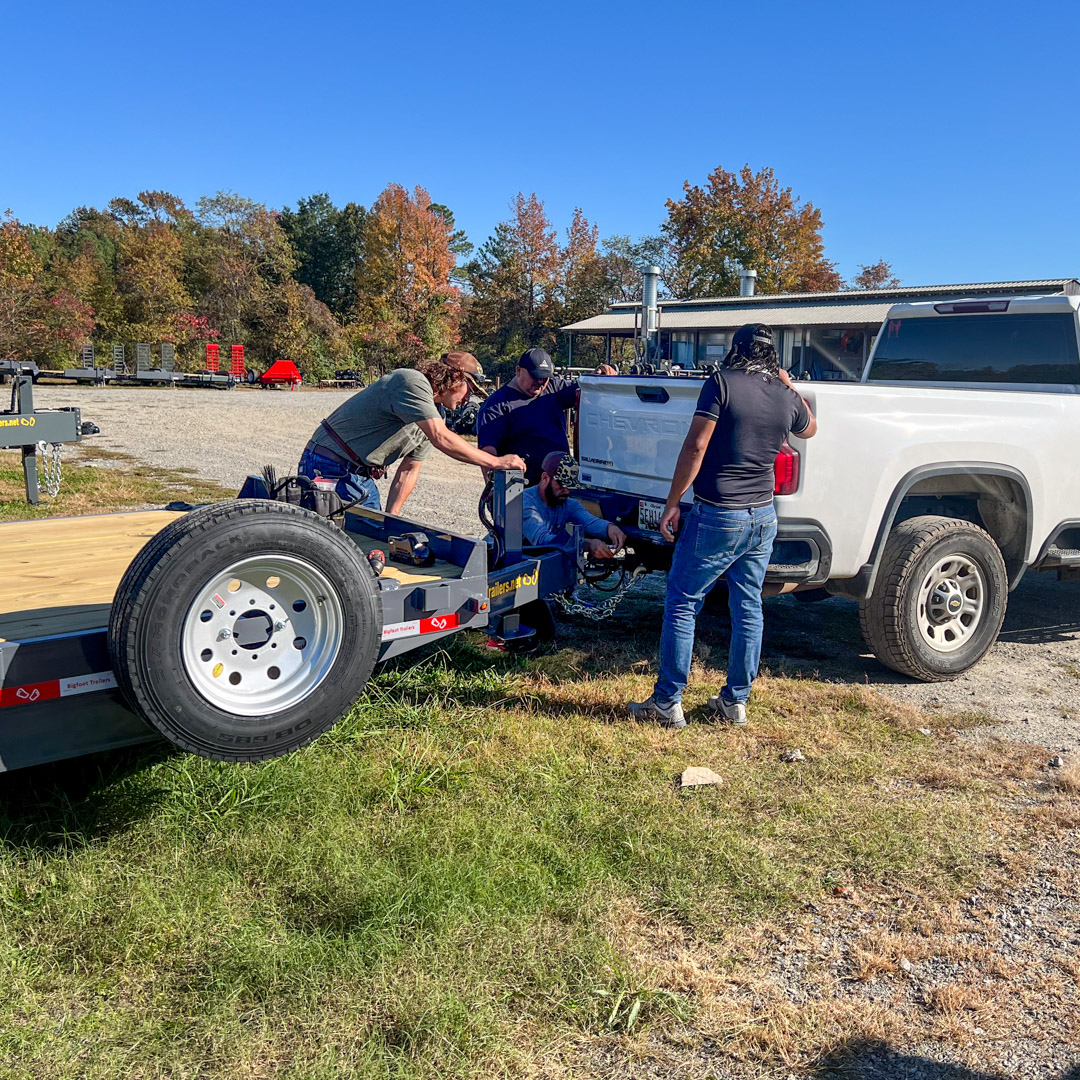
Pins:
x,y
1000,504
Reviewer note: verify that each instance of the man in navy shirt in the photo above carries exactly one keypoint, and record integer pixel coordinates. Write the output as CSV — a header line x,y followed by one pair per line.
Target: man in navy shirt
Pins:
x,y
528,415
744,412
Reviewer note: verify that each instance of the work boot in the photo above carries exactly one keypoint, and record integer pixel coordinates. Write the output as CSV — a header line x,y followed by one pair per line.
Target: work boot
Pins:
x,y
670,716
727,712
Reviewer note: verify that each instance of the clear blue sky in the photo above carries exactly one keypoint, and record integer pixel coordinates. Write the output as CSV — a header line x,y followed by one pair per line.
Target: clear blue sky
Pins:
x,y
942,137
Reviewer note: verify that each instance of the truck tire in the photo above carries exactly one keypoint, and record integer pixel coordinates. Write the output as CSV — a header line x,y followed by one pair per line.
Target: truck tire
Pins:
x,y
243,630
939,600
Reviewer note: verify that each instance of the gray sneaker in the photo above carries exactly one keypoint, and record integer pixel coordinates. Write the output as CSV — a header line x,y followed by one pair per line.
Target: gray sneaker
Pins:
x,y
669,717
727,712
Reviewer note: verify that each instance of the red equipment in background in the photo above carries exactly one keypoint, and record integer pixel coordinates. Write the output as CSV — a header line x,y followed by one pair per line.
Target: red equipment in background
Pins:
x,y
237,368
281,373
213,357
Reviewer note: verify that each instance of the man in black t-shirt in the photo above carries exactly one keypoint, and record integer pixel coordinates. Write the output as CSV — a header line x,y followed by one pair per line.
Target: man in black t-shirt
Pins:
x,y
744,412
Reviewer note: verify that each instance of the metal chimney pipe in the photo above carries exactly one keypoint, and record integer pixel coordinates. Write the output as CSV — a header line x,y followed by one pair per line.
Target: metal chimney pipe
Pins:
x,y
747,280
650,285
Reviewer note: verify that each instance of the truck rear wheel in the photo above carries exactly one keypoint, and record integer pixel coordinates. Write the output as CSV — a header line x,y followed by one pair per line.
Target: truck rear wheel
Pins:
x,y
939,600
244,630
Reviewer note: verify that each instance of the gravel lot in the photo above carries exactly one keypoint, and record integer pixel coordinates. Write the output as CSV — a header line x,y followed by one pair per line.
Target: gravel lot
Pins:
x,y
224,435
1030,682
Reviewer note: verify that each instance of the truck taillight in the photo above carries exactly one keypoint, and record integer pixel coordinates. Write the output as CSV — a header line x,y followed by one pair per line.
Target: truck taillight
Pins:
x,y
786,471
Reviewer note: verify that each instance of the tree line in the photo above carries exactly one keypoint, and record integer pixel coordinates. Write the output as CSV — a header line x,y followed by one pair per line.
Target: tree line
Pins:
x,y
372,288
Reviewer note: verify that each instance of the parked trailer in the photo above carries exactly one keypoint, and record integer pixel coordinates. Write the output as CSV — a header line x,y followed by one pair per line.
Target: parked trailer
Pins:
x,y
241,630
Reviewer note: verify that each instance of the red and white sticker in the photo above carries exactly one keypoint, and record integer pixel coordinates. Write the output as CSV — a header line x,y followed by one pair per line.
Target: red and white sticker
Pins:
x,y
420,626
56,688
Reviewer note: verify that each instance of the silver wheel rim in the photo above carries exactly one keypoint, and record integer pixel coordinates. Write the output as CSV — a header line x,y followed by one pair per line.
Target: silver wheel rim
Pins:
x,y
262,635
952,600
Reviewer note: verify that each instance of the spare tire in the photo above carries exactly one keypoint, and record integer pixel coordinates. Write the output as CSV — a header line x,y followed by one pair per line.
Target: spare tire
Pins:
x,y
245,629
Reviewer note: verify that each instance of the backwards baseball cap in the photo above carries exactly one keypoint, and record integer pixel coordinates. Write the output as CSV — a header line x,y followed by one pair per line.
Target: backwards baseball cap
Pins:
x,y
537,363
751,334
469,366
561,466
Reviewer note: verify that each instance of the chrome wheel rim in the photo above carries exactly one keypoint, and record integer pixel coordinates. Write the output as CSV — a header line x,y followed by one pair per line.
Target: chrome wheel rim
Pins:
x,y
262,635
952,601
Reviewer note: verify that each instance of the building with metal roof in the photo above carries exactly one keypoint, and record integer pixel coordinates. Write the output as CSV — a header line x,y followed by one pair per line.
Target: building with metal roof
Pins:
x,y
823,335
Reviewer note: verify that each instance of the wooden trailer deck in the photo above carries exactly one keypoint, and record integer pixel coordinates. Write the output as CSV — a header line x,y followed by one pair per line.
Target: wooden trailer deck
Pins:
x,y
60,574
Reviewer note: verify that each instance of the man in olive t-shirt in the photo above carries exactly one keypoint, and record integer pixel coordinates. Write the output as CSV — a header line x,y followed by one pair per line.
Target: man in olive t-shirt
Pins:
x,y
397,418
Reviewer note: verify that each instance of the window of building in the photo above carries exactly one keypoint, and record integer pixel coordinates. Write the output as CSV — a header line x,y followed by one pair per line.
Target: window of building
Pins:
x,y
682,348
835,353
980,349
713,346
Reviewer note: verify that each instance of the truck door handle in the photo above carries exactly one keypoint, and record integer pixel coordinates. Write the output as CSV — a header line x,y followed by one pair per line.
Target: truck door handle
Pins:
x,y
652,393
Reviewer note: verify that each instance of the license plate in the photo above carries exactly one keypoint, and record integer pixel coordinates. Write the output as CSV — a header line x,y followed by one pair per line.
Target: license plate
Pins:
x,y
649,514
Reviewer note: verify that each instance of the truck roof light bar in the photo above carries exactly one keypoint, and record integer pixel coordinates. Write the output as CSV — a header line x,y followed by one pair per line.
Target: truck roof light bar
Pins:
x,y
973,307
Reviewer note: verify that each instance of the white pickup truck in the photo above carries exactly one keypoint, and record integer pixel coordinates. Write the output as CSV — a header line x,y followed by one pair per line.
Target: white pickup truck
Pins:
x,y
931,487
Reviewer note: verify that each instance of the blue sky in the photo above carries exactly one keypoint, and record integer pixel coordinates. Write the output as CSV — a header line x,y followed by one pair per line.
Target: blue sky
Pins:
x,y
942,137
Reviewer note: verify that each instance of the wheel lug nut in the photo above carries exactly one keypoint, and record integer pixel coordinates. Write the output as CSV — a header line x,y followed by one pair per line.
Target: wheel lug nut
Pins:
x,y
224,635
279,626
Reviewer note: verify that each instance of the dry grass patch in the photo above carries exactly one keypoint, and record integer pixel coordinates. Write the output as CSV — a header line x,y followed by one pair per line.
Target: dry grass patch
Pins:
x,y
96,480
1068,778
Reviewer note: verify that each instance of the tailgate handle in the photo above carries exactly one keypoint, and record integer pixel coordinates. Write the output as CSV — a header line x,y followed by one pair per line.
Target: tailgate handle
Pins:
x,y
652,393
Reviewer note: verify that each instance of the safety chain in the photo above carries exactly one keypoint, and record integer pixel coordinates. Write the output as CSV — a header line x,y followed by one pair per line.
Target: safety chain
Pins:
x,y
572,604
51,467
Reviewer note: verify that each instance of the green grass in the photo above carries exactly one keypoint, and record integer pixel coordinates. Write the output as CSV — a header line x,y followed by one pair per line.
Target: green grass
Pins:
x,y
437,887
96,480
485,870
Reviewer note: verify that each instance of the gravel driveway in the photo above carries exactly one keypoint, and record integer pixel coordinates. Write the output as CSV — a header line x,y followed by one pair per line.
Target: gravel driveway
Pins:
x,y
1030,681
224,435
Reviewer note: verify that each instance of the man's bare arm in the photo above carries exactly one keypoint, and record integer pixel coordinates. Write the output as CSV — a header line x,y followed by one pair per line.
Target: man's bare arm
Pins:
x,y
401,487
810,430
686,469
442,438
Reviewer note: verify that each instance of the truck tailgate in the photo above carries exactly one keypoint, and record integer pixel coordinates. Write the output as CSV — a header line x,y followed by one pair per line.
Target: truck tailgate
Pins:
x,y
632,430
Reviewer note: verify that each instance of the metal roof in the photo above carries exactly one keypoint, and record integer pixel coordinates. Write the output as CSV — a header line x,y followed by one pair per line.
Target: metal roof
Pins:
x,y
800,315
1069,286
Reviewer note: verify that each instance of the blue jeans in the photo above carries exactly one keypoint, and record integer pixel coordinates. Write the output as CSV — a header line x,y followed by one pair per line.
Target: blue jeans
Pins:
x,y
715,543
350,485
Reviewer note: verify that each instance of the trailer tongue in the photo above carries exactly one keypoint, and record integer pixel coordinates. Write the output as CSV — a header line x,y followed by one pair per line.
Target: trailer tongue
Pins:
x,y
239,631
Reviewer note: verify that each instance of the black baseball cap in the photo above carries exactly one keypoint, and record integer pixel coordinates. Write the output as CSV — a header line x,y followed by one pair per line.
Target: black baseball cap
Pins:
x,y
751,334
537,363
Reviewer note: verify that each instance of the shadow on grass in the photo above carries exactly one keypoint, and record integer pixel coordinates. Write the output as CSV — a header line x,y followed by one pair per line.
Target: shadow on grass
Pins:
x,y
66,805
870,1059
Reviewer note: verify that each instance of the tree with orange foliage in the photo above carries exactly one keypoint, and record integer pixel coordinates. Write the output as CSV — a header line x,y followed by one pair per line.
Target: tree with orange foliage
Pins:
x,y
744,218
515,283
877,275
405,291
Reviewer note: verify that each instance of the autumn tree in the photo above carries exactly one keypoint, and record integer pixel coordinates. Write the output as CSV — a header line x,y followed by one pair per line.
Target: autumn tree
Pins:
x,y
240,258
514,283
877,275
744,218
21,293
150,265
407,303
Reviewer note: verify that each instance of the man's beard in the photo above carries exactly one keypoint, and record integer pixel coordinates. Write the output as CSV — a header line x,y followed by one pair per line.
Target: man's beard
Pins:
x,y
555,500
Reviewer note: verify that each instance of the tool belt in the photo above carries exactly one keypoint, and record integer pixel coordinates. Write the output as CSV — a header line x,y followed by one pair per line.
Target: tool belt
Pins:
x,y
355,465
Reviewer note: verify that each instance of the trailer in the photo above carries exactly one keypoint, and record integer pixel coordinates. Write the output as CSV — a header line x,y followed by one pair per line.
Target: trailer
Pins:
x,y
241,630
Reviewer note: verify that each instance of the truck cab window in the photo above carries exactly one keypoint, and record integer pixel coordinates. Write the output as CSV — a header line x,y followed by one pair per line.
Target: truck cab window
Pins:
x,y
1007,348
